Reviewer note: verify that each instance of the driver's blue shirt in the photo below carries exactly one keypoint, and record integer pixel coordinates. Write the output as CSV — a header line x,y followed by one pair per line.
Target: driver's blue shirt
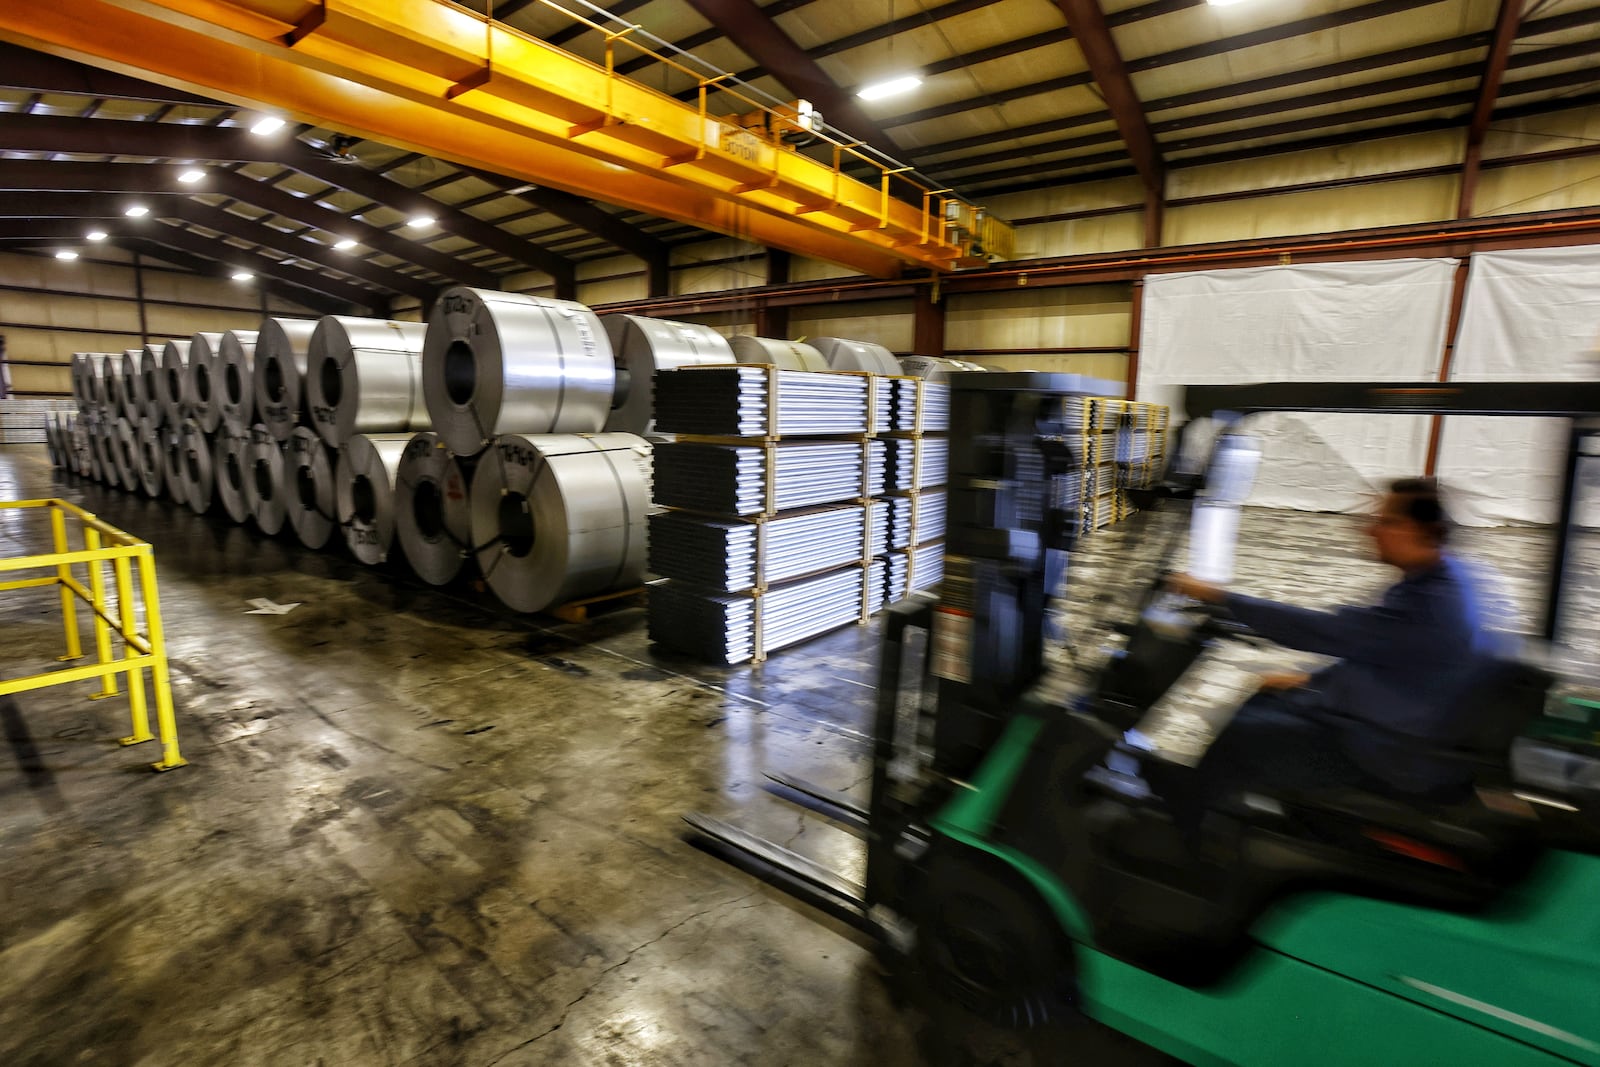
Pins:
x,y
1406,665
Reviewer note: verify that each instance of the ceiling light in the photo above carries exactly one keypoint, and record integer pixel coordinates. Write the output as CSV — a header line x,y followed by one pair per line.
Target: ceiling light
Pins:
x,y
242,276
1223,3
136,211
95,235
880,90
66,253
189,177
344,244
420,221
267,124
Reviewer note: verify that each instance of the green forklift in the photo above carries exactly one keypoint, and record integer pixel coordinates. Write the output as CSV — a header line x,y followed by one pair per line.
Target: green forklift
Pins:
x,y
1019,864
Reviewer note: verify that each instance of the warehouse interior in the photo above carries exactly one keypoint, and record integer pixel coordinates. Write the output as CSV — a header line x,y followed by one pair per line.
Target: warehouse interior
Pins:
x,y
430,804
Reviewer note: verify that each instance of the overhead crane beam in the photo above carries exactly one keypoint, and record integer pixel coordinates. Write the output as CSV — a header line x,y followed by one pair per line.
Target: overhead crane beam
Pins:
x,y
418,74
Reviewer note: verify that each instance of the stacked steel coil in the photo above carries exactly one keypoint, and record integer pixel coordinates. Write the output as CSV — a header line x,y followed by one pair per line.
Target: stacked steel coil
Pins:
x,y
641,347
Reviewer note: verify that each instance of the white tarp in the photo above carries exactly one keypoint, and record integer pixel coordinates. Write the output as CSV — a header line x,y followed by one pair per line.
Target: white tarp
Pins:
x,y
1379,321
1529,315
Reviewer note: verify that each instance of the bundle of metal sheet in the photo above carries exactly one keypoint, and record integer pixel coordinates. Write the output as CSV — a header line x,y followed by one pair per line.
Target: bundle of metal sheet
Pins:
x,y
230,461
202,390
506,363
309,488
915,463
734,555
721,627
199,467
844,354
640,346
770,351
765,479
561,516
742,402
172,383
152,457
263,484
236,367
433,508
364,376
927,565
282,353
916,518
364,493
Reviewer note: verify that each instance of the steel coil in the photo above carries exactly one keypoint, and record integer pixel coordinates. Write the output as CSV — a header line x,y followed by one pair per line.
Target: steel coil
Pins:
x,y
199,468
230,459
172,463
498,363
152,463
934,368
789,355
263,480
97,366
75,369
125,452
433,508
236,373
142,382
561,516
282,353
121,371
364,376
364,493
202,390
641,346
308,483
844,354
172,383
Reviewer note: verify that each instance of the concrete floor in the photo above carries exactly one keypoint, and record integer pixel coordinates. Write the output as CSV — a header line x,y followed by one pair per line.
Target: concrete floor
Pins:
x,y
419,830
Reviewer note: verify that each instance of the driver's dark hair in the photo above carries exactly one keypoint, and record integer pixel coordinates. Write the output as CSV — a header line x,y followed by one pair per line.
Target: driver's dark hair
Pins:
x,y
1422,503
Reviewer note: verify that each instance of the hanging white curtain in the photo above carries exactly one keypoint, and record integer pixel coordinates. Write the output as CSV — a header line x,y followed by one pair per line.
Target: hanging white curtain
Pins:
x,y
1378,321
1529,315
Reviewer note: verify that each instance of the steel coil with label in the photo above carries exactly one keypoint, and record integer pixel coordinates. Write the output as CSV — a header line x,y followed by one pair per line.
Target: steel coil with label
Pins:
x,y
364,493
236,374
263,481
364,376
152,463
844,354
199,468
202,390
230,458
640,346
282,354
308,485
172,382
172,463
433,508
788,355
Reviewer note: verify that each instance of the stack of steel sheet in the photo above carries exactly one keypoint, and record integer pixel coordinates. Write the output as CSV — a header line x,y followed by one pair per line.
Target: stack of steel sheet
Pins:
x,y
738,556
767,478
917,463
745,402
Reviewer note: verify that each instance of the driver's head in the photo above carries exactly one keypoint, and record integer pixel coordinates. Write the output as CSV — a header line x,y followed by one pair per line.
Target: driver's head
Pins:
x,y
1411,526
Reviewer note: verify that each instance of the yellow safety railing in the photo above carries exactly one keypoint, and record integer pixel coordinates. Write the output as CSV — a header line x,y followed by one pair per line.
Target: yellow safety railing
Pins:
x,y
141,651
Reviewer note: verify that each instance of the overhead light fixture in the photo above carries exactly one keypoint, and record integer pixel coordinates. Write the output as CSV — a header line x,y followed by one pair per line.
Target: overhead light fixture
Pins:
x,y
892,87
189,177
242,276
1224,3
517,190
344,244
136,211
267,124
66,253
95,235
418,222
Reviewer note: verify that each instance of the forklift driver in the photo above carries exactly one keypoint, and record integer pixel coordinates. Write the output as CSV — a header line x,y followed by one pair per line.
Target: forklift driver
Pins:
x,y
1380,716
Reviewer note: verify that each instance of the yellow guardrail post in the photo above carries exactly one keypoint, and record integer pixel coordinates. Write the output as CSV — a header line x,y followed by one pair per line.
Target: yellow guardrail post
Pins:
x,y
165,721
136,705
69,603
102,632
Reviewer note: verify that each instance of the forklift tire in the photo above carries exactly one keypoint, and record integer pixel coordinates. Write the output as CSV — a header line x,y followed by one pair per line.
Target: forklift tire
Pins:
x,y
991,944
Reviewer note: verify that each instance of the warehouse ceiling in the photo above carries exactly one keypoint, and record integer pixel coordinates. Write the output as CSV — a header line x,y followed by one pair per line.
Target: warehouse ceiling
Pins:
x,y
1013,95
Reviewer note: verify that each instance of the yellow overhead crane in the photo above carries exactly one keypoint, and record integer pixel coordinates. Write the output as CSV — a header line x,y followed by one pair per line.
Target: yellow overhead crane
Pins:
x,y
433,77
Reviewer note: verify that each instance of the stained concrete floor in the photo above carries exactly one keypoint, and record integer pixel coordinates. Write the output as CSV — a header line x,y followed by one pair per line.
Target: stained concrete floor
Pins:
x,y
417,829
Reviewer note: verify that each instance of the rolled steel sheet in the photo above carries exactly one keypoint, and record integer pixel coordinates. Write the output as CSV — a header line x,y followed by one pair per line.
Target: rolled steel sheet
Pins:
x,y
561,516
199,467
236,377
152,460
172,383
935,368
99,369
230,459
125,453
172,463
364,493
790,355
364,376
146,368
640,346
308,483
203,390
282,351
123,373
433,508
263,480
844,354
75,369
499,363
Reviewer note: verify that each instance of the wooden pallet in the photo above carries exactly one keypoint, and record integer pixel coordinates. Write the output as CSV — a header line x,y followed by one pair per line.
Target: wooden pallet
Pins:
x,y
580,611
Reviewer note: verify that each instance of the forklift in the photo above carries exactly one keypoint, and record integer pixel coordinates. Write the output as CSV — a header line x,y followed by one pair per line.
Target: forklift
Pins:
x,y
1019,863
